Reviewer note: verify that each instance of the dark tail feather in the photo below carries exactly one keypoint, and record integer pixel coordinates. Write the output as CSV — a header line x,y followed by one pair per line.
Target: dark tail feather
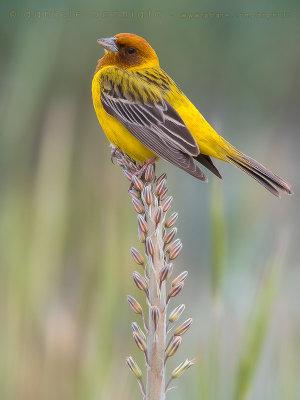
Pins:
x,y
207,162
260,173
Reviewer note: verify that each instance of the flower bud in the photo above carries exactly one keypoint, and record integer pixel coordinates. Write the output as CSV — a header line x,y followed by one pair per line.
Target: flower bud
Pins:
x,y
181,368
176,313
134,305
136,328
161,177
158,215
137,205
142,223
137,183
164,272
147,194
169,236
136,255
183,328
134,368
140,342
160,187
180,278
173,346
175,290
149,246
154,311
167,203
171,220
174,249
140,281
149,174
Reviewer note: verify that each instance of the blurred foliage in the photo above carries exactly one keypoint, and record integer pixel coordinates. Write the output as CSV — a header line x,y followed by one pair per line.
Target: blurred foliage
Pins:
x,y
66,219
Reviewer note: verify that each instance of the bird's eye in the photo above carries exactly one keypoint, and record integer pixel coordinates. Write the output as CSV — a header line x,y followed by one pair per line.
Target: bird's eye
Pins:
x,y
130,50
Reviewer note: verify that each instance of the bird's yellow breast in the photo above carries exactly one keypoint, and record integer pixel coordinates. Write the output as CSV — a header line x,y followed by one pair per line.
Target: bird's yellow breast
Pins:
x,y
116,133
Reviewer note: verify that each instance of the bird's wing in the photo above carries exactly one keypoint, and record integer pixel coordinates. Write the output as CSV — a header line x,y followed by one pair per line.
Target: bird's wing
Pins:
x,y
153,121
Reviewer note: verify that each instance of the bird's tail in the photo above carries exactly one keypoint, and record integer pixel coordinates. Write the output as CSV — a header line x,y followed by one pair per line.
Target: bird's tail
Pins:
x,y
258,172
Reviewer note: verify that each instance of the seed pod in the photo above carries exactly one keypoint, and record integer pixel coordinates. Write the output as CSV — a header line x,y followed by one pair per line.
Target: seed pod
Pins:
x,y
149,246
134,193
137,183
167,203
137,205
174,252
169,236
183,328
173,346
136,328
140,281
134,368
174,291
171,220
158,215
140,342
141,235
182,367
134,305
149,174
180,278
155,316
142,223
164,194
136,255
175,314
127,174
147,194
161,177
160,187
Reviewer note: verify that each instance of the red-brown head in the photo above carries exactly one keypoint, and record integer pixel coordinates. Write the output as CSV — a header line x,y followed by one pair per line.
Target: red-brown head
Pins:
x,y
127,51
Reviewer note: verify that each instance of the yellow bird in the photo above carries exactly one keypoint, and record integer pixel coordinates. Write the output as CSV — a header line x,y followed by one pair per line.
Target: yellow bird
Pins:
x,y
144,113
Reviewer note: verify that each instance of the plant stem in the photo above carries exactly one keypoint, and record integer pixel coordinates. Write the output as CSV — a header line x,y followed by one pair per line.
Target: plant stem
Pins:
x,y
156,343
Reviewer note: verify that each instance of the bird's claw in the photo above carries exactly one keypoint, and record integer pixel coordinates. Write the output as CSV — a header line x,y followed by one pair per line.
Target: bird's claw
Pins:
x,y
113,154
141,172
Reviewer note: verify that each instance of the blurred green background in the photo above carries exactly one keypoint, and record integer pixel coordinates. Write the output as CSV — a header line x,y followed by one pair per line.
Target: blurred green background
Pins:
x,y
67,222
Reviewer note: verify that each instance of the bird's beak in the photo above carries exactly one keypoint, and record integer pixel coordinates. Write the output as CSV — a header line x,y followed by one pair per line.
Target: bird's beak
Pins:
x,y
109,44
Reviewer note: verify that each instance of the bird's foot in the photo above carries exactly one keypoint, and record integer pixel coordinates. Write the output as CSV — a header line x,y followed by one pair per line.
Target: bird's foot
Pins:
x,y
142,170
114,152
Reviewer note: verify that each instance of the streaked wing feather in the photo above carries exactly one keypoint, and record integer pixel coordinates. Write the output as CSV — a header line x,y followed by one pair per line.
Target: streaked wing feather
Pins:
x,y
152,140
160,116
166,151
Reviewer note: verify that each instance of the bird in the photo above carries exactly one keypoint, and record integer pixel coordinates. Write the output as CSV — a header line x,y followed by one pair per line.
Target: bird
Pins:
x,y
146,115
